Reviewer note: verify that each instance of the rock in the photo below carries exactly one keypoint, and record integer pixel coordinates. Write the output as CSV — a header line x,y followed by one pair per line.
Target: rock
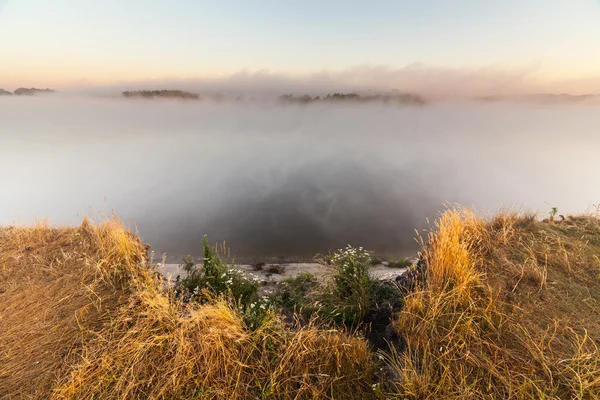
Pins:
x,y
391,276
258,266
389,374
414,275
275,269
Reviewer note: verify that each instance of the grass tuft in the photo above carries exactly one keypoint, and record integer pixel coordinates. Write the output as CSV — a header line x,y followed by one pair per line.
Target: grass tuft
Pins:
x,y
83,316
509,309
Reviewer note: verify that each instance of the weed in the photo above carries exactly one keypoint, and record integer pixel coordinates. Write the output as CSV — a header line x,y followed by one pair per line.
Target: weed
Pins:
x,y
552,213
297,294
214,278
347,296
401,262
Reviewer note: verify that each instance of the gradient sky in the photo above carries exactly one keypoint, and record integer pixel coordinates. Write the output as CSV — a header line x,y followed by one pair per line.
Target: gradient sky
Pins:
x,y
84,42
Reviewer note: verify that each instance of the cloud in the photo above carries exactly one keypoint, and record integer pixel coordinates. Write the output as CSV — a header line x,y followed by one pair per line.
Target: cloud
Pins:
x,y
433,82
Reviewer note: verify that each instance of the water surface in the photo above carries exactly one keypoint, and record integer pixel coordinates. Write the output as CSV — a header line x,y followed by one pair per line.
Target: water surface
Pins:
x,y
289,181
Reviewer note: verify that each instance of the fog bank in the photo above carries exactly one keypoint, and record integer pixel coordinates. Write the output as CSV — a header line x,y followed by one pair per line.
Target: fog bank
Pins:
x,y
290,180
434,83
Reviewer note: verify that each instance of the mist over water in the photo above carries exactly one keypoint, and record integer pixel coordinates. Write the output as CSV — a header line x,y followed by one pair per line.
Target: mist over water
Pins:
x,y
289,180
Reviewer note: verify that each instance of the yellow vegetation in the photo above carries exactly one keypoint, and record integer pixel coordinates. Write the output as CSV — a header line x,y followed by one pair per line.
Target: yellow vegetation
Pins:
x,y
511,309
84,317
56,290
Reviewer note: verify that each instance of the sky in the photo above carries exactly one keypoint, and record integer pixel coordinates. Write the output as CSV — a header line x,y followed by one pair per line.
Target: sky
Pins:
x,y
551,43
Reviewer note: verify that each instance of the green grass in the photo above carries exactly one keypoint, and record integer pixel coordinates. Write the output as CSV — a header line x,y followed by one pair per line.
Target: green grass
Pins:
x,y
214,277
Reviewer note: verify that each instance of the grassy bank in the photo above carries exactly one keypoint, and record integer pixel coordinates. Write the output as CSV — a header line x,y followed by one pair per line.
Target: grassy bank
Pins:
x,y
510,309
506,307
83,316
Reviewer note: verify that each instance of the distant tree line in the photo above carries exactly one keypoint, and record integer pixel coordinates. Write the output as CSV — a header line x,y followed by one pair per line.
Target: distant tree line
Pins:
x,y
25,91
400,98
180,94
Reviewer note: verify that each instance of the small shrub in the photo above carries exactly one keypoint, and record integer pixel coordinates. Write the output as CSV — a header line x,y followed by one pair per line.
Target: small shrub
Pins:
x,y
387,299
348,297
326,259
275,269
257,313
215,278
297,293
386,294
343,300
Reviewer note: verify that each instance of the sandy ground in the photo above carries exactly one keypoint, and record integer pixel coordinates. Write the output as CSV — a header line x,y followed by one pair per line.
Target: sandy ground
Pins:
x,y
290,270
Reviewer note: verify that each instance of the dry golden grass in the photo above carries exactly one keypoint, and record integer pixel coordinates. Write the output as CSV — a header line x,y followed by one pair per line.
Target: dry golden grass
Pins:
x,y
511,309
84,317
57,286
153,352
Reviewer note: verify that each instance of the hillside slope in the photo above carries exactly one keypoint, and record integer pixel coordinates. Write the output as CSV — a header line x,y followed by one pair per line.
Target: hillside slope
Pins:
x,y
510,308
83,316
57,287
